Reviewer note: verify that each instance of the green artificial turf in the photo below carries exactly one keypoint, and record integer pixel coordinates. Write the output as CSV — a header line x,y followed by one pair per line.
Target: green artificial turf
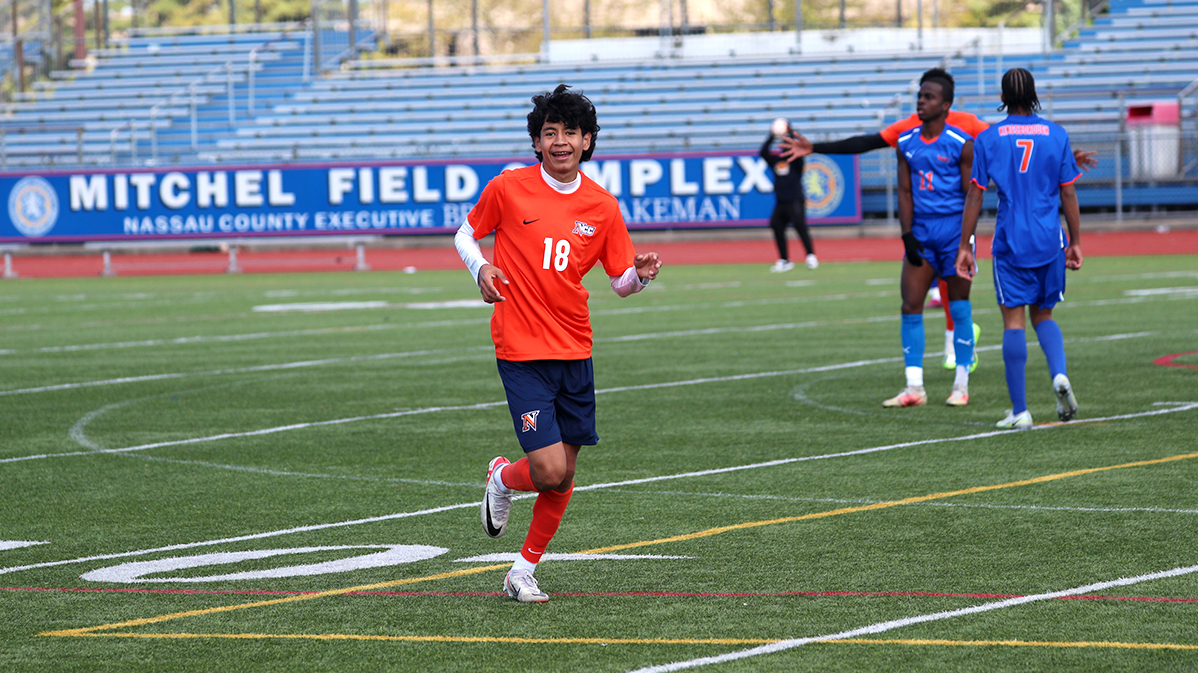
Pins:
x,y
151,418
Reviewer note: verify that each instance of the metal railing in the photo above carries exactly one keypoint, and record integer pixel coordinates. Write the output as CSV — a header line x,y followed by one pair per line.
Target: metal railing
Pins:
x,y
4,131
1182,96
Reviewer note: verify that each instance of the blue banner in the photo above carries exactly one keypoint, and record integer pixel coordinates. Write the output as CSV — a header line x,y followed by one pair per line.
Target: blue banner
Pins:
x,y
692,190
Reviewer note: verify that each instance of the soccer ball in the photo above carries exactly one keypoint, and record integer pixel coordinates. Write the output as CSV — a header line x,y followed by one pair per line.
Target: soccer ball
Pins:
x,y
779,127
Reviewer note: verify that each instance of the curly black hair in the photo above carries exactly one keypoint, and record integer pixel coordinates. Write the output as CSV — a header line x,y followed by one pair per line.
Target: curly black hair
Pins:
x,y
574,110
1019,91
944,79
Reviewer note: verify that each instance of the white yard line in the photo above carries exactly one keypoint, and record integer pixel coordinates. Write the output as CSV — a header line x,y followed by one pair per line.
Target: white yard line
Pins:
x,y
484,405
1175,407
890,625
242,370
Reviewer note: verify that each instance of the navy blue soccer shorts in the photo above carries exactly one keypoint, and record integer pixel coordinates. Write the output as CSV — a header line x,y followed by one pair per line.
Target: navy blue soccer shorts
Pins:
x,y
940,238
1042,286
550,401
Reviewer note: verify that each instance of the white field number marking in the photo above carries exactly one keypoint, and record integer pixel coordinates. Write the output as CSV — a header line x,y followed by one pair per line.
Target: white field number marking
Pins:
x,y
136,570
393,555
17,544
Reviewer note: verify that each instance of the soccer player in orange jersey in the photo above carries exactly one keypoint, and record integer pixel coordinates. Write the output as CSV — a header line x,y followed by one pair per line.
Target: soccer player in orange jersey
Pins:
x,y
552,224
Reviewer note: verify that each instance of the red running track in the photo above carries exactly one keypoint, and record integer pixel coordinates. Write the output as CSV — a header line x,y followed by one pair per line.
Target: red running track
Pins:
x,y
746,251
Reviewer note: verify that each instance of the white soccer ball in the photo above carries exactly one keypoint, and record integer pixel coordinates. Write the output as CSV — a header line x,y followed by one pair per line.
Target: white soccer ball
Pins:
x,y
779,127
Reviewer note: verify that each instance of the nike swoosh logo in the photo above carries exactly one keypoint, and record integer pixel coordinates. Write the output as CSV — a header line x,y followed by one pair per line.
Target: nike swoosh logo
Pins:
x,y
492,531
531,221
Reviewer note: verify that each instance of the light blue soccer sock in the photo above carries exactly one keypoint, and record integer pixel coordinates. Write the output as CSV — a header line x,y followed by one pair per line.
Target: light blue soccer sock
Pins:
x,y
1014,355
913,339
1053,345
962,312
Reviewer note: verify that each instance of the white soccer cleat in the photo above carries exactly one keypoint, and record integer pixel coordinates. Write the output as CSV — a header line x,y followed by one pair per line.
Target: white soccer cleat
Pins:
x,y
521,585
497,500
1066,402
812,262
908,397
1019,421
959,397
782,266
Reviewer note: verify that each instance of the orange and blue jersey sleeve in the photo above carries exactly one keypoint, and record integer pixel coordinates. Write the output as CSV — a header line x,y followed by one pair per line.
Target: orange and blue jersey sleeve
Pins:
x,y
1069,169
891,133
618,252
484,217
967,122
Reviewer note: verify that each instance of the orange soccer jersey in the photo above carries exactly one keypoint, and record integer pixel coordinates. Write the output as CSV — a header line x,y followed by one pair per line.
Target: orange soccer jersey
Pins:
x,y
545,242
965,121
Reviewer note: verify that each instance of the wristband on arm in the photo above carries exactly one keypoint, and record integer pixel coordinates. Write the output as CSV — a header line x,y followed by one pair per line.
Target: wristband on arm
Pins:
x,y
913,249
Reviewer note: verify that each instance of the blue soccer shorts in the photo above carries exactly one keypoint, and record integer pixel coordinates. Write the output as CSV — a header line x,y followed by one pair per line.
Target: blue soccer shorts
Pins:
x,y
550,401
941,240
1042,286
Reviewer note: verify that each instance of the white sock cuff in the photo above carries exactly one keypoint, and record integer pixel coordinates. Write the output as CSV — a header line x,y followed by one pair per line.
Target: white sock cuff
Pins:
x,y
914,377
524,564
962,376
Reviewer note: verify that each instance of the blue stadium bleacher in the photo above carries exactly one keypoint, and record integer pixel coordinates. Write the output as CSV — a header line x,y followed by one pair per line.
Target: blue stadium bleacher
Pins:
x,y
133,101
1140,50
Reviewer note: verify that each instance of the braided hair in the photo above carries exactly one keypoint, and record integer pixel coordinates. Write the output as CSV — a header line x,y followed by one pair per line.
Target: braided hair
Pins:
x,y
1019,91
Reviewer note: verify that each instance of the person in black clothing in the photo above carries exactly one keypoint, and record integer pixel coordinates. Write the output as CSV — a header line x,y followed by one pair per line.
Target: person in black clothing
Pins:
x,y
790,205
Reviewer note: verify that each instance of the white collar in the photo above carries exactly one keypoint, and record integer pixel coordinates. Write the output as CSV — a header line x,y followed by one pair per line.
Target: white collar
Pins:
x,y
559,186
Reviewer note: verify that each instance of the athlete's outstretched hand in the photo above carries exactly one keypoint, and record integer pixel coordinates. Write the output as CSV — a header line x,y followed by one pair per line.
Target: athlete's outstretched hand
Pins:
x,y
795,146
965,263
647,265
1073,257
1085,159
487,277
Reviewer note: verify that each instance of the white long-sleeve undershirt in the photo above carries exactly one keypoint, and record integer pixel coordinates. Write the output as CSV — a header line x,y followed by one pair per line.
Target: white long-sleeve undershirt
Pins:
x,y
623,285
626,284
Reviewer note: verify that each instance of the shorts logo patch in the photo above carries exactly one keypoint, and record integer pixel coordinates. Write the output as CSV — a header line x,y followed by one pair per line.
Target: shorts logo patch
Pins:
x,y
530,420
583,229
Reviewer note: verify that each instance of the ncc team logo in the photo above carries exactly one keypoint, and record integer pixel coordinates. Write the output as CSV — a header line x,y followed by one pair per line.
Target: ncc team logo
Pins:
x,y
583,229
823,185
530,420
33,206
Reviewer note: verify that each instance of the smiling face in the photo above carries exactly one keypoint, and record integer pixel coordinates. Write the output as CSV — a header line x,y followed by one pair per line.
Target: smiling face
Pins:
x,y
561,149
931,104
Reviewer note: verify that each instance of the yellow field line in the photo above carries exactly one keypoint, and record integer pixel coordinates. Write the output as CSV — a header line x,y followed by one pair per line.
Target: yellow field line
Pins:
x,y
644,641
447,639
675,538
277,601
883,505
1019,643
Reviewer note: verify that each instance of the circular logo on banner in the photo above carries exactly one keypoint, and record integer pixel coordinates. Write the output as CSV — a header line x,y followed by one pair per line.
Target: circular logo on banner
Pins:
x,y
33,206
823,186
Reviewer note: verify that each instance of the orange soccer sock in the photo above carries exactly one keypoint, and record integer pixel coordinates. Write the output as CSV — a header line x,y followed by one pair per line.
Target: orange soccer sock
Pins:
x,y
516,476
948,316
547,514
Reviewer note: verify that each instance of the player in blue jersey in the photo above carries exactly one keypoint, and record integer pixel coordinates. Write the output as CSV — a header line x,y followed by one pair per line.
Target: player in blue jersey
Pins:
x,y
1030,160
934,165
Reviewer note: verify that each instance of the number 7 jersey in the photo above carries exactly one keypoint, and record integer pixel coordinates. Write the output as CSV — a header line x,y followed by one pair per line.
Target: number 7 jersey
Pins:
x,y
545,242
1029,158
